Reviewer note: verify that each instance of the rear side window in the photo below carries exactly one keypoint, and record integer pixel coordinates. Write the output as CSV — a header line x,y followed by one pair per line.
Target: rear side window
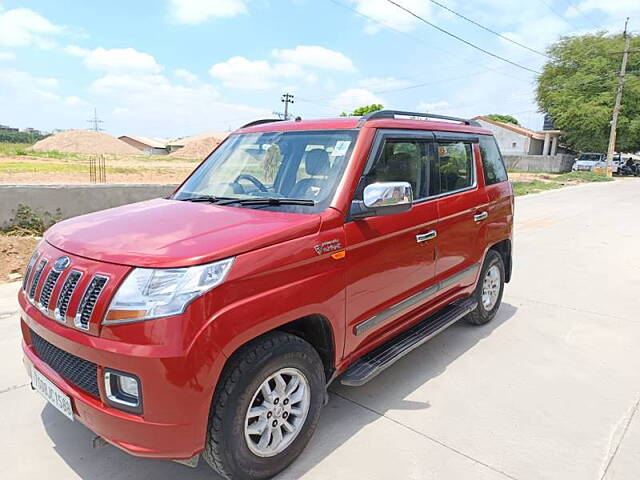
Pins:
x,y
455,166
494,170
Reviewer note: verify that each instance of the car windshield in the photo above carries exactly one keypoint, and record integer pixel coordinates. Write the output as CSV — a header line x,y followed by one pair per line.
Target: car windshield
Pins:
x,y
285,171
590,157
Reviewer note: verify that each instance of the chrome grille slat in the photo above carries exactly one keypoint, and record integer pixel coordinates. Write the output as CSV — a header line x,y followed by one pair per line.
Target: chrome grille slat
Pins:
x,y
36,278
47,289
89,300
27,273
64,298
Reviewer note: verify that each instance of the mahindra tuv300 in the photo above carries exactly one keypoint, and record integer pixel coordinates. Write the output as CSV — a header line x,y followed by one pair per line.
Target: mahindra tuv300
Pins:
x,y
211,322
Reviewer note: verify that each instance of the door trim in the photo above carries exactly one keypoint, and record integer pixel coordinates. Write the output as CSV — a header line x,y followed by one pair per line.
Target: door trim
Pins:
x,y
413,300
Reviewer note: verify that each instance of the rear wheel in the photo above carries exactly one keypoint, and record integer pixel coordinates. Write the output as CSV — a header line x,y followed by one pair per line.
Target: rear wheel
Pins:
x,y
489,290
266,407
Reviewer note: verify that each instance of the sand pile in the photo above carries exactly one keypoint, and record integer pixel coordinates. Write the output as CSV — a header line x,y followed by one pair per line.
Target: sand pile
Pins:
x,y
83,141
198,147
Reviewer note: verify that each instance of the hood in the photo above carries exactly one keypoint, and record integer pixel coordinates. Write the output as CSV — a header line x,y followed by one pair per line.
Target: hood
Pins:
x,y
172,233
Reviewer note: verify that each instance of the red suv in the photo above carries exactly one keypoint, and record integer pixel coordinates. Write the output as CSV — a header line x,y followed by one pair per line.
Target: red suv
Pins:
x,y
211,322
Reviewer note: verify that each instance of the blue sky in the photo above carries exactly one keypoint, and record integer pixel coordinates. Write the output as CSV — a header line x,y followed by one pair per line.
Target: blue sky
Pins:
x,y
178,67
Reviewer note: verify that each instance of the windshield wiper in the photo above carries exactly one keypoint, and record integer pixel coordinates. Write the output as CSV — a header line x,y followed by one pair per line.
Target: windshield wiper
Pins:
x,y
270,201
204,198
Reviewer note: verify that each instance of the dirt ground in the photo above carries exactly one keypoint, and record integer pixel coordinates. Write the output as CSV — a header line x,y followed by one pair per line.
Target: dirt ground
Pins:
x,y
14,256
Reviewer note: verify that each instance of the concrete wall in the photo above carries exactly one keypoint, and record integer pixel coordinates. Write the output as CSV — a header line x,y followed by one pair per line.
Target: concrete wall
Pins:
x,y
539,163
65,201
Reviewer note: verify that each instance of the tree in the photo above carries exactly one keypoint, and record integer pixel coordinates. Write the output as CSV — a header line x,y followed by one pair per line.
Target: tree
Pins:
x,y
498,117
578,87
361,111
21,137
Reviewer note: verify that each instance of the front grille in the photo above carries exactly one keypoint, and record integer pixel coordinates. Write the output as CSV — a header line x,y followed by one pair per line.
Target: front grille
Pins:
x,y
66,292
81,373
47,289
32,262
89,300
36,278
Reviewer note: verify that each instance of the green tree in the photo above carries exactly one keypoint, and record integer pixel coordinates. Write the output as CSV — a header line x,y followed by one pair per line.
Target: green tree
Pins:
x,y
498,117
578,86
360,111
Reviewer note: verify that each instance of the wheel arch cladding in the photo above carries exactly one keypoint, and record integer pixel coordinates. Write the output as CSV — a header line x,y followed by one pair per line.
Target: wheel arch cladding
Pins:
x,y
504,249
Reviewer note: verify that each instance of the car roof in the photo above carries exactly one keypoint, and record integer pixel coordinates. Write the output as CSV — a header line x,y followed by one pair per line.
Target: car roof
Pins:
x,y
352,123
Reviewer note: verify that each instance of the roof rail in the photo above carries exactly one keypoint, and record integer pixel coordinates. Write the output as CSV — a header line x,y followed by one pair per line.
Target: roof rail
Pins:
x,y
392,114
260,122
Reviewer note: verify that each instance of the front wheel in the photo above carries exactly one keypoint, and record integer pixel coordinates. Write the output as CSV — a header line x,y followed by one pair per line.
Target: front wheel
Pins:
x,y
266,407
489,290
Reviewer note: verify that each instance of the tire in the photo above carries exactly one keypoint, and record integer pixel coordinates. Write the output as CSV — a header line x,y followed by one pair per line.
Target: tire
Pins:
x,y
227,447
483,314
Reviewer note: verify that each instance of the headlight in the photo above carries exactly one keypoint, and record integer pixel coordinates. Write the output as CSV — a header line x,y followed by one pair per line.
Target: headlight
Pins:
x,y
151,293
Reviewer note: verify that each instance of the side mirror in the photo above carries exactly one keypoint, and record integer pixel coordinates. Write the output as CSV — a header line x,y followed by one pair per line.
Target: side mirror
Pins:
x,y
383,198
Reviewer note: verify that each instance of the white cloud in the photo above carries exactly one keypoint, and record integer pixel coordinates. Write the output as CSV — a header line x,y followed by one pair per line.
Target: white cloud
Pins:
x,y
74,101
198,11
18,85
355,97
7,56
22,27
619,8
240,72
383,83
186,75
392,16
315,56
160,107
432,107
115,59
243,73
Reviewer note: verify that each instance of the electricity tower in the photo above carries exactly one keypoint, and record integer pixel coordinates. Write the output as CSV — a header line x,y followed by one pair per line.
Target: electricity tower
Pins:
x,y
95,121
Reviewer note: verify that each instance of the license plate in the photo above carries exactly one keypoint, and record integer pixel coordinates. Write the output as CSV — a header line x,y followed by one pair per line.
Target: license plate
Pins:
x,y
53,394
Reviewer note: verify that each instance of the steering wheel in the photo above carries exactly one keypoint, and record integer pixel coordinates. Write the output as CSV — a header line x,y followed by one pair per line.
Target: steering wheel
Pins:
x,y
246,176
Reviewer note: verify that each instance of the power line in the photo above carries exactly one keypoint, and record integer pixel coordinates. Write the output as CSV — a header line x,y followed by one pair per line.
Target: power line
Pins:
x,y
460,39
465,60
579,10
557,14
488,29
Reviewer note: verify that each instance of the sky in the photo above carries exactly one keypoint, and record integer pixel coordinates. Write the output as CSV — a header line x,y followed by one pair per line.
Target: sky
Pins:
x,y
171,68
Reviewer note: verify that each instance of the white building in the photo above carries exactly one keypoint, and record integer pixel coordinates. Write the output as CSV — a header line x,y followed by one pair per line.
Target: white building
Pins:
x,y
517,140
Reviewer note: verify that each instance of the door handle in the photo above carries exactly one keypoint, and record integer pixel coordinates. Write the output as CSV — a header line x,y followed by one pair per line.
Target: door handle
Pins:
x,y
424,237
478,217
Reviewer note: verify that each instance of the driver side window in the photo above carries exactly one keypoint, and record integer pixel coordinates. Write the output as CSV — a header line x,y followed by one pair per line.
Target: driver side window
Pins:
x,y
398,162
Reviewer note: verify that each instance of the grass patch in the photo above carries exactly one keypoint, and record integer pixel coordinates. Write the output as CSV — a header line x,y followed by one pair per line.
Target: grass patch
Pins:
x,y
534,186
23,150
46,168
32,167
553,181
582,177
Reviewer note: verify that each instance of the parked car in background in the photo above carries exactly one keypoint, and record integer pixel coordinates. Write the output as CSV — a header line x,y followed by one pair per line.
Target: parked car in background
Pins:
x,y
588,161
210,323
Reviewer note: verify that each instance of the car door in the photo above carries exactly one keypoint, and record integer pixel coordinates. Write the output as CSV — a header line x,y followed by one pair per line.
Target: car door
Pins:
x,y
462,212
390,259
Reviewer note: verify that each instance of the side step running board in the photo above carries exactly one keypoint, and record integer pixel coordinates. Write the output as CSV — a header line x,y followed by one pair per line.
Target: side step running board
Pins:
x,y
376,361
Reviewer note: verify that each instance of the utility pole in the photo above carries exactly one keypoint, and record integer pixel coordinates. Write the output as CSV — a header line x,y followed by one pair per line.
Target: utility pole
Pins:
x,y
616,108
95,121
287,98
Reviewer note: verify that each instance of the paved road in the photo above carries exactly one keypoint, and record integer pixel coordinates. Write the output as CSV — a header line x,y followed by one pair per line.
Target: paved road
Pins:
x,y
548,390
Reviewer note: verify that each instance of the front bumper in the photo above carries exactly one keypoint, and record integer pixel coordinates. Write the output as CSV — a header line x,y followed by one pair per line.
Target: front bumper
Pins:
x,y
176,400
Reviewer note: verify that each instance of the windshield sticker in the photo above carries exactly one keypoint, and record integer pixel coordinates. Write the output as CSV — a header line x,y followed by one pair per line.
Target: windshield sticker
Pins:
x,y
341,148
